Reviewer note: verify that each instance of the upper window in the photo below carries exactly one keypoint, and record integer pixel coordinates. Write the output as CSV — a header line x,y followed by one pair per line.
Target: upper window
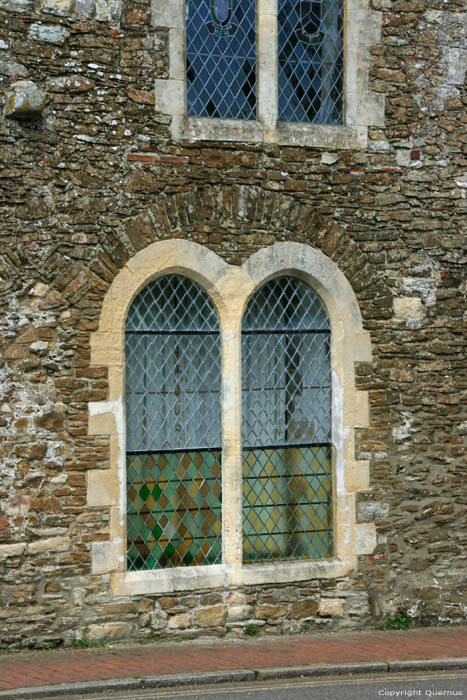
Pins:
x,y
221,60
276,71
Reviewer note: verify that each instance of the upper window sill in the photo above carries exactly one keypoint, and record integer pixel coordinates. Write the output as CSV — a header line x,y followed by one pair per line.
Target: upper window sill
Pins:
x,y
284,134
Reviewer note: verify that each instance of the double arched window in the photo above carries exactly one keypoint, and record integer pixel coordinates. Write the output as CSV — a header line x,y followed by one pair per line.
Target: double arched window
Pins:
x,y
174,416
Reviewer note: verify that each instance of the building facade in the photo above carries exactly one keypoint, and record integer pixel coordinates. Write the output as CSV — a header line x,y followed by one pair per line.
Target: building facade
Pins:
x,y
232,294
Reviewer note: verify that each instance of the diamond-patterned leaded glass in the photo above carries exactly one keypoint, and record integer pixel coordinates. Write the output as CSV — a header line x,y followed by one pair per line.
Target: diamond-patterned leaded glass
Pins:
x,y
311,61
172,348
286,429
221,58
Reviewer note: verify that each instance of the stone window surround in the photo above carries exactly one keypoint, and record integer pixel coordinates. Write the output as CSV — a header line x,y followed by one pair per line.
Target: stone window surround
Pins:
x,y
230,287
362,108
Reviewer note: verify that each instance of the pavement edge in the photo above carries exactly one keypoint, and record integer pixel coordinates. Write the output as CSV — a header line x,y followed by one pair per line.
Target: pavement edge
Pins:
x,y
240,675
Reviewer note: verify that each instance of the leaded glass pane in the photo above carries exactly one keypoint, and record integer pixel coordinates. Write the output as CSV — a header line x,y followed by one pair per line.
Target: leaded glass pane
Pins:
x,y
286,428
221,58
311,61
173,423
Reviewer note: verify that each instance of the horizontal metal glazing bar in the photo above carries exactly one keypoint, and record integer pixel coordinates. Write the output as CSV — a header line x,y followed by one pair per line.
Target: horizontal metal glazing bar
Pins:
x,y
286,445
183,333
287,333
179,450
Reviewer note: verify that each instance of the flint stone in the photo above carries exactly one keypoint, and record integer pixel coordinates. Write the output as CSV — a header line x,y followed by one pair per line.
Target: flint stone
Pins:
x,y
25,100
108,10
372,511
16,5
13,69
48,33
62,8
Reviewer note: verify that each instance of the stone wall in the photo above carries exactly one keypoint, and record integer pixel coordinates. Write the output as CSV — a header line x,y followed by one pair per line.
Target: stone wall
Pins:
x,y
90,176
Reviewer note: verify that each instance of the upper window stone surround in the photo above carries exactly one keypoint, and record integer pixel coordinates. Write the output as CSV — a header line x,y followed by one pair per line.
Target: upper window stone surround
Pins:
x,y
362,108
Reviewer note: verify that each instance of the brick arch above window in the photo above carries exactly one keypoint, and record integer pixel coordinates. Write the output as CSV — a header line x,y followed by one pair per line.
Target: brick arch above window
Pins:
x,y
230,287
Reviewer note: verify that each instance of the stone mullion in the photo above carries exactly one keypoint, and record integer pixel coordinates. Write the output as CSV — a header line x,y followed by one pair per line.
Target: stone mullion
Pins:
x,y
231,432
267,94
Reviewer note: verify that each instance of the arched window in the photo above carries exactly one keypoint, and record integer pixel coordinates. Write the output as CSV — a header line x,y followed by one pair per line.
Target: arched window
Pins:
x,y
286,424
173,427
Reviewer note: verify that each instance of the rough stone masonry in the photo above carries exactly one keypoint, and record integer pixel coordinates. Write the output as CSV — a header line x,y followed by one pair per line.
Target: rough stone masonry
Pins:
x,y
91,175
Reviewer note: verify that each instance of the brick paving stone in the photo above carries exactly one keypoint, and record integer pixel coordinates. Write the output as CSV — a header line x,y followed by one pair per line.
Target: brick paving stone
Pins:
x,y
35,668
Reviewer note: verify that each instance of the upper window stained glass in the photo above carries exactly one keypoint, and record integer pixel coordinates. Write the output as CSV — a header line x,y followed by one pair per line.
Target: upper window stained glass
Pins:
x,y
221,58
311,61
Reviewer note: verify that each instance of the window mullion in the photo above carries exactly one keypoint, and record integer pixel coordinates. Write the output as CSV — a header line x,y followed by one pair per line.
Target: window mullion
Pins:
x,y
231,439
267,64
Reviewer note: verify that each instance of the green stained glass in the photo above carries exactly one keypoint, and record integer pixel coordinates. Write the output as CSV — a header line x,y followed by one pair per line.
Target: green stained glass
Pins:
x,y
177,523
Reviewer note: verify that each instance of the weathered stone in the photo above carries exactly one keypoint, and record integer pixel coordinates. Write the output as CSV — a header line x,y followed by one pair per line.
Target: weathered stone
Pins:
x,y
157,619
71,83
331,607
105,176
265,612
108,10
210,617
16,5
180,622
51,544
236,598
16,504
211,599
50,421
236,613
12,550
408,308
304,608
108,630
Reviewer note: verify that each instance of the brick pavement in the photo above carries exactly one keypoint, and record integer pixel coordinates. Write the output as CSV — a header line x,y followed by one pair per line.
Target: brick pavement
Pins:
x,y
36,668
